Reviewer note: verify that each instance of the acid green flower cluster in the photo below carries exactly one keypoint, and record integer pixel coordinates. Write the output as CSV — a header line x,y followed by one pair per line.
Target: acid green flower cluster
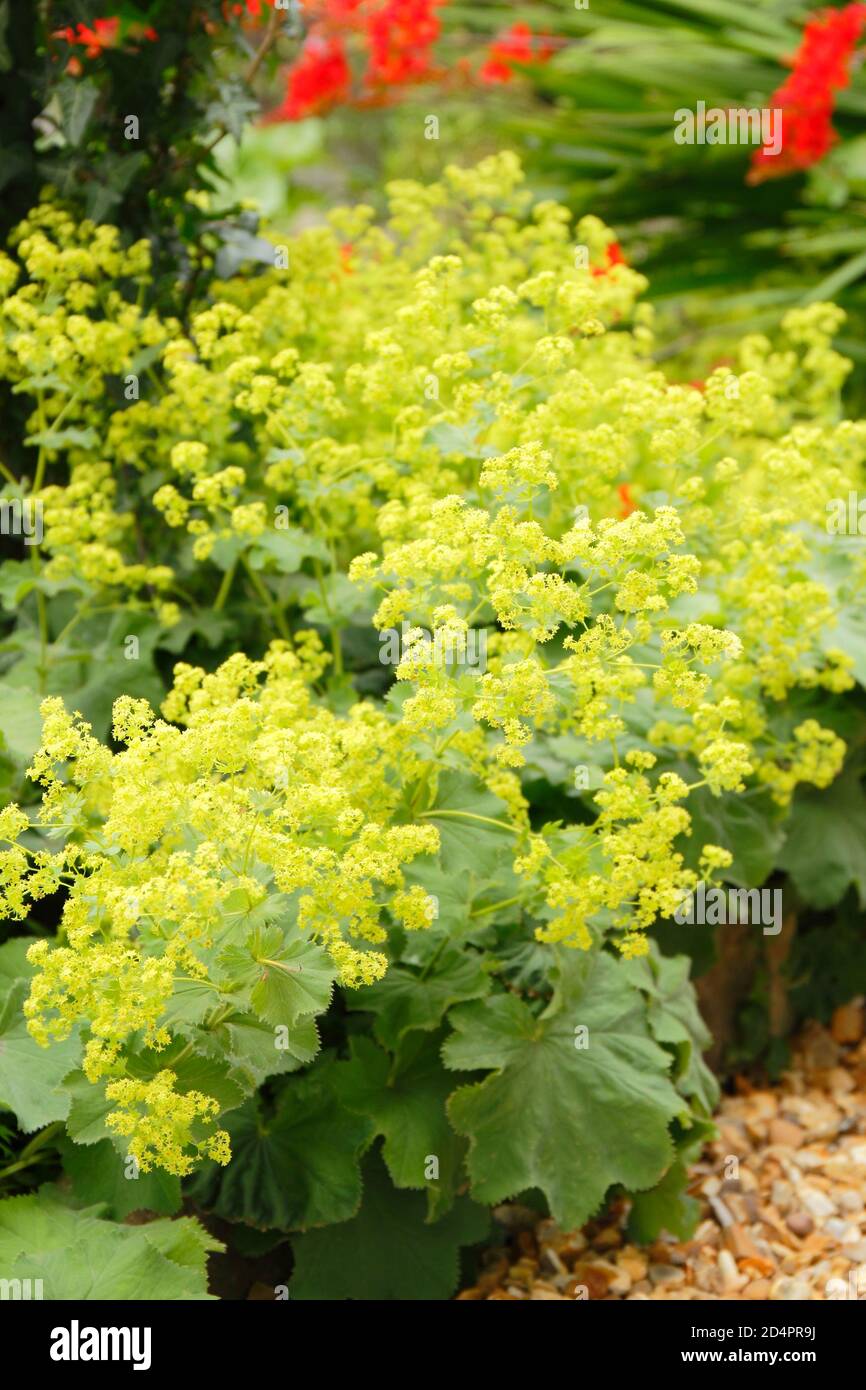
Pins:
x,y
448,429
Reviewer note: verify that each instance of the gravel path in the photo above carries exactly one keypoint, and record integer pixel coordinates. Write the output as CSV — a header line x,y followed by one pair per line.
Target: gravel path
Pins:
x,y
781,1191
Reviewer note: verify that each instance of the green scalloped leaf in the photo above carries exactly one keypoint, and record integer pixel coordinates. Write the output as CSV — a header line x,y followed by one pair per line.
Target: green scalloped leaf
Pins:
x,y
571,1121
98,1174
406,999
288,977
825,852
78,1255
194,1072
665,1207
674,1018
30,1075
405,1103
294,1168
388,1251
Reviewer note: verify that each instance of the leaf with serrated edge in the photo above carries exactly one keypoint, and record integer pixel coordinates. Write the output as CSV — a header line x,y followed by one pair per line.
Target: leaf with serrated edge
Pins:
x,y
79,1255
387,1251
295,1168
406,1105
569,1120
674,1018
98,1173
406,999
30,1075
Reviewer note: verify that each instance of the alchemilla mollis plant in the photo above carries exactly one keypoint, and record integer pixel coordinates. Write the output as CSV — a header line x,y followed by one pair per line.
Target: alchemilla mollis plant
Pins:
x,y
408,648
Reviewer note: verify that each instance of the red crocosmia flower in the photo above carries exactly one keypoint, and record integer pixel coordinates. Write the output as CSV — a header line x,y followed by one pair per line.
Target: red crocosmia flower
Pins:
x,y
400,35
821,67
613,256
627,502
512,46
104,34
396,36
320,78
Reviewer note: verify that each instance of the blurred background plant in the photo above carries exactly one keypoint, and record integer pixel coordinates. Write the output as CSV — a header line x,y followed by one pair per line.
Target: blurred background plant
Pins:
x,y
295,103
587,91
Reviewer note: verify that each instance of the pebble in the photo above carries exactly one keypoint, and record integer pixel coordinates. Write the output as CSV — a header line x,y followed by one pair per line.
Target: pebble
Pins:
x,y
816,1203
847,1023
787,1133
841,1230
790,1290
781,1193
730,1276
799,1223
758,1290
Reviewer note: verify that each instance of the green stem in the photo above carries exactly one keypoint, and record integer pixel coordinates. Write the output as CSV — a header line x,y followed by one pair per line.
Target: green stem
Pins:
x,y
336,644
469,815
270,604
494,907
30,1153
225,586
435,956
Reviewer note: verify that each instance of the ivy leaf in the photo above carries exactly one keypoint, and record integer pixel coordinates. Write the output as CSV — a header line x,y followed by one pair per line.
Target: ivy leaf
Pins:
x,y
387,1251
98,1174
30,1075
825,852
567,1119
406,999
77,98
80,1256
673,1015
405,1103
295,1168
